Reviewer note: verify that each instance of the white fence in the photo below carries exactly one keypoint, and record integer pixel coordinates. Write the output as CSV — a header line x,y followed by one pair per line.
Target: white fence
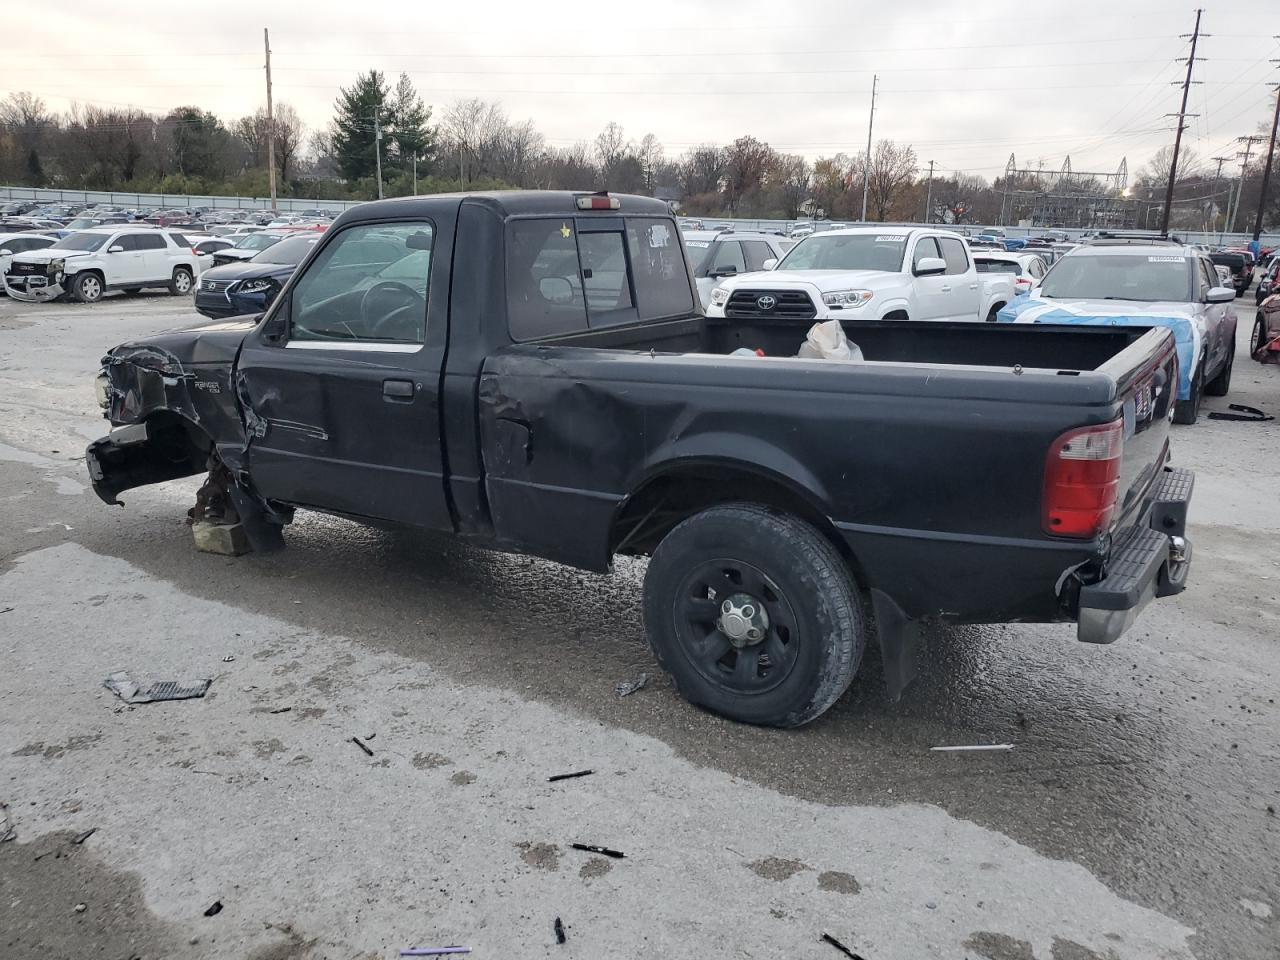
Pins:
x,y
119,199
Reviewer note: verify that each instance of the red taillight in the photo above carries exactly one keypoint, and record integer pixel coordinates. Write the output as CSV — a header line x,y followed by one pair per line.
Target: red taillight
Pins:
x,y
1082,480
598,202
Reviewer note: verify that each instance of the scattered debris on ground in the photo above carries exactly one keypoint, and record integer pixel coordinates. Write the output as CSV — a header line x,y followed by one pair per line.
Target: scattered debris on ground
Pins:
x,y
362,745
213,909
128,690
841,947
1246,414
280,710
570,776
432,951
7,832
625,688
591,848
80,838
559,929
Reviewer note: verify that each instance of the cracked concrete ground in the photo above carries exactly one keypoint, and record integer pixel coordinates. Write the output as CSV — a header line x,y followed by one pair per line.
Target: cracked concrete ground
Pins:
x,y
1131,820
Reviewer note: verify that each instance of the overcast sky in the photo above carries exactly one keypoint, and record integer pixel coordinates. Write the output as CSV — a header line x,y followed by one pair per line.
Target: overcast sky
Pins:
x,y
965,83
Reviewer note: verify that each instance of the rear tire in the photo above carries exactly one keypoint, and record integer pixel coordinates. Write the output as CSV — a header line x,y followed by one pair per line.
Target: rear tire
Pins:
x,y
1221,384
1258,338
87,287
740,561
993,316
182,282
1187,411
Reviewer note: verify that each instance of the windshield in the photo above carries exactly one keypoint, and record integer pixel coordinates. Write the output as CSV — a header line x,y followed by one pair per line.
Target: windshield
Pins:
x,y
82,223
1142,277
697,251
858,251
81,241
995,266
287,252
257,241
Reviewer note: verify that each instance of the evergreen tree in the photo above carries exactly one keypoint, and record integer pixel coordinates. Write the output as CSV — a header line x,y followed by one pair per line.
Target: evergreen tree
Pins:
x,y
353,136
409,121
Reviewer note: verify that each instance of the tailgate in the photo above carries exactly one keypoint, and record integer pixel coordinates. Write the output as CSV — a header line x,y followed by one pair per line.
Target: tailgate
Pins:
x,y
1146,375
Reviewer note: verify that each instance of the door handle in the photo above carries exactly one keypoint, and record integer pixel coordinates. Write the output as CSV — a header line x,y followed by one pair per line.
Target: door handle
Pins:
x,y
397,391
946,289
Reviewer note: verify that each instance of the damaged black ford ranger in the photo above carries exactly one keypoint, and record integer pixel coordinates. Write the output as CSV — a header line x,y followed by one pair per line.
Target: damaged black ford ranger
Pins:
x,y
530,371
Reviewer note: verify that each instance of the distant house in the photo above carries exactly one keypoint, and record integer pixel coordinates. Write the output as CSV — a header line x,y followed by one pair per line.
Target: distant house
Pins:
x,y
670,195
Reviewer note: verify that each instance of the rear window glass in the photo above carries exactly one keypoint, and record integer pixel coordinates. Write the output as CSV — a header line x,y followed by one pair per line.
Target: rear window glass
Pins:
x,y
658,269
995,266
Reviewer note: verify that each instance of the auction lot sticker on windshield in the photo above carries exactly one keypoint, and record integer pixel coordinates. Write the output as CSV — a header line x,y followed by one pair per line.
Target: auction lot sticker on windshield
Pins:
x,y
697,243
889,239
1166,259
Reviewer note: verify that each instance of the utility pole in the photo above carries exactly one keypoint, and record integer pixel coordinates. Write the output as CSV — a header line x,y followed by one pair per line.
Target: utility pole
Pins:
x,y
415,173
1182,123
1217,180
1248,142
377,149
928,197
271,124
1266,170
866,168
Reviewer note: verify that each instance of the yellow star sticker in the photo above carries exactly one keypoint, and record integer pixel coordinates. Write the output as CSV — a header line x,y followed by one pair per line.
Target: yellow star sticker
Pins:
x,y
565,231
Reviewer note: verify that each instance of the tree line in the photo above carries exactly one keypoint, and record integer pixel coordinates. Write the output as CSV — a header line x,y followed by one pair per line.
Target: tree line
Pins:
x,y
474,144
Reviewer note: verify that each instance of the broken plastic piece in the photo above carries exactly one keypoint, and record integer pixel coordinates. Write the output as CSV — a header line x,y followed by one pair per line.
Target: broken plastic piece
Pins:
x,y
124,687
80,838
281,710
432,951
826,341
591,848
626,688
362,745
1246,414
559,929
841,947
977,746
214,909
6,824
570,776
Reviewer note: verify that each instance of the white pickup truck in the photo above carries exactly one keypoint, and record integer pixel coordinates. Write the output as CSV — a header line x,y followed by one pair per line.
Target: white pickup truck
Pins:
x,y
876,273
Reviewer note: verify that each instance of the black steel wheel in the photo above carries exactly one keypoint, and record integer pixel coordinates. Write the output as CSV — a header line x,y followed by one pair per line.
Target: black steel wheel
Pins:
x,y
754,614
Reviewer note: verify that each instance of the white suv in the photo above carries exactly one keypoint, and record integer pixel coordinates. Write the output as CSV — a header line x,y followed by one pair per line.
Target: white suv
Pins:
x,y
89,263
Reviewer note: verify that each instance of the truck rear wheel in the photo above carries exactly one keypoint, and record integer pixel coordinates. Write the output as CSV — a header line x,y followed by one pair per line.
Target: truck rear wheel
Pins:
x,y
1220,385
1187,411
754,614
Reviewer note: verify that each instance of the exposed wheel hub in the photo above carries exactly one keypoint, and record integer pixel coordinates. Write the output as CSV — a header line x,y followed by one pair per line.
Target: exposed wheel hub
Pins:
x,y
743,620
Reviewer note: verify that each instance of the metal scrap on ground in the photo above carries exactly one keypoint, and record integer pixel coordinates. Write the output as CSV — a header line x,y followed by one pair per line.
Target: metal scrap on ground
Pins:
x,y
591,848
978,746
841,947
559,929
570,776
432,951
362,745
128,690
626,688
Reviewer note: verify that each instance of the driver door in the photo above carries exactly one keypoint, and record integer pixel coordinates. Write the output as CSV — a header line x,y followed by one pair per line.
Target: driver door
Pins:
x,y
340,384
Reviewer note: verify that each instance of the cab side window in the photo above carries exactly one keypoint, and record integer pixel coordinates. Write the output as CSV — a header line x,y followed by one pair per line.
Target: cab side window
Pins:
x,y
954,253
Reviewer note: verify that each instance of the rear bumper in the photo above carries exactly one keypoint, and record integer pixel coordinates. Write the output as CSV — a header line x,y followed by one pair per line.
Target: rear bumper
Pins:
x,y
1151,559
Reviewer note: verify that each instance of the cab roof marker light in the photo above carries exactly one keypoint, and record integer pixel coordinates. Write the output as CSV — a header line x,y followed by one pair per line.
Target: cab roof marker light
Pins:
x,y
598,202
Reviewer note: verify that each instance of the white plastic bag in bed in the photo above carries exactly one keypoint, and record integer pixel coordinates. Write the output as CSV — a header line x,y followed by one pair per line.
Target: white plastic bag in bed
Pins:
x,y
827,341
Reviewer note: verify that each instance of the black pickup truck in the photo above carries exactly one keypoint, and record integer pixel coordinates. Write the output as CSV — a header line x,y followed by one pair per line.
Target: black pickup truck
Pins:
x,y
530,371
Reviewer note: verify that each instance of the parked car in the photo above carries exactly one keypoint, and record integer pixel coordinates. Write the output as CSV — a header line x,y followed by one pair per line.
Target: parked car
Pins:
x,y
89,263
15,243
579,422
1238,264
1027,269
235,289
873,273
1269,282
1122,283
17,208
714,256
247,246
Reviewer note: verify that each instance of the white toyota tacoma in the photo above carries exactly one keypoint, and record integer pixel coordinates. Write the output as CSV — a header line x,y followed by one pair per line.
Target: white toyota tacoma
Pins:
x,y
90,262
876,273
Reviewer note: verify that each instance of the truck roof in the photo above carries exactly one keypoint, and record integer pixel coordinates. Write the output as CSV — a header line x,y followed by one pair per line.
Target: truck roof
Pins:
x,y
510,203
889,231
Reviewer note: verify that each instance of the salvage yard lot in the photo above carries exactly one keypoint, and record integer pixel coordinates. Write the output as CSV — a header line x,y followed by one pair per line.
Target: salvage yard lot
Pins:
x,y
1134,817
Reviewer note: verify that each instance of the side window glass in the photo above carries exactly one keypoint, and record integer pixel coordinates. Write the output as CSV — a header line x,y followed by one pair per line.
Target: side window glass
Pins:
x,y
925,247
370,283
128,243
953,252
544,287
728,256
1037,269
757,253
149,241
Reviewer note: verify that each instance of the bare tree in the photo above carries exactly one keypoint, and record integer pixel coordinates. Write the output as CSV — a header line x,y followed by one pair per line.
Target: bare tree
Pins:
x,y
1156,172
702,170
649,153
26,119
747,161
892,168
471,129
793,178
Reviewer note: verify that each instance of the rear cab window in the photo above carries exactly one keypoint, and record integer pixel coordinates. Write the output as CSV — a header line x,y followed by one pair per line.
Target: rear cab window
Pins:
x,y
568,274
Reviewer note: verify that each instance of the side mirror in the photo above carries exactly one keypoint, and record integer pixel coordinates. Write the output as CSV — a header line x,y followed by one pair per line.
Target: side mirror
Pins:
x,y
729,271
930,267
116,249
770,263
1221,295
556,290
6,253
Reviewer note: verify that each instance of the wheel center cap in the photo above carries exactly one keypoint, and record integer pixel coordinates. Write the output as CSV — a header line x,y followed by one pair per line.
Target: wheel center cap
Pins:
x,y
743,620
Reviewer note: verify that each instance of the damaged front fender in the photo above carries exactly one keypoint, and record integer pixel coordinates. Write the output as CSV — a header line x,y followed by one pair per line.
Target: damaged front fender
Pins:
x,y
143,453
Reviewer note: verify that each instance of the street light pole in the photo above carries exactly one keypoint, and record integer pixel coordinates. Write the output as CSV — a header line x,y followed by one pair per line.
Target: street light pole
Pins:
x,y
928,197
866,167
